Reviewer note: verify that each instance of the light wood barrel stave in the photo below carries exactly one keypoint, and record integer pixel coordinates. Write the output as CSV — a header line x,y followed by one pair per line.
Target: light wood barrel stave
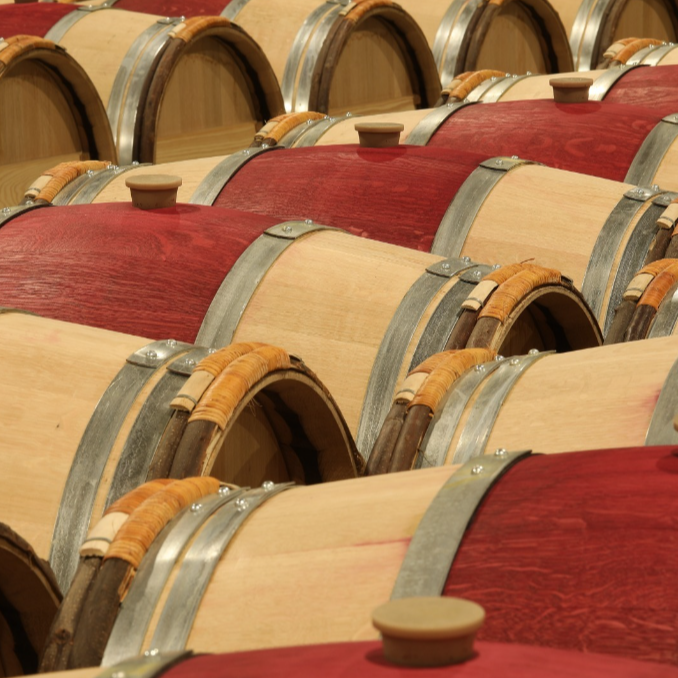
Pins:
x,y
593,25
277,565
49,111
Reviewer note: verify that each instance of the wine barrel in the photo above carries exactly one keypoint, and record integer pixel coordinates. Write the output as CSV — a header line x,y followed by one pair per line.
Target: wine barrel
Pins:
x,y
617,84
274,556
432,200
173,89
477,410
125,418
594,24
639,54
29,600
364,57
49,112
333,298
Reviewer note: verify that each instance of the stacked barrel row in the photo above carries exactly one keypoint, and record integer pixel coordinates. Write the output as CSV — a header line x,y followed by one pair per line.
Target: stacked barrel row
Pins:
x,y
309,315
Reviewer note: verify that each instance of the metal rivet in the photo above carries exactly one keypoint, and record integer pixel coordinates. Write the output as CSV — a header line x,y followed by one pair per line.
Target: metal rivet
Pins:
x,y
190,362
29,202
268,485
135,163
151,653
167,19
246,152
445,266
151,354
327,117
496,267
514,76
515,361
466,260
528,73
501,452
241,504
465,101
211,350
479,368
349,114
196,507
493,78
498,162
655,187
224,491
90,173
477,275
310,122
308,222
6,210
450,105
265,144
477,470
172,343
287,229
515,157
498,358
113,168
533,351
182,18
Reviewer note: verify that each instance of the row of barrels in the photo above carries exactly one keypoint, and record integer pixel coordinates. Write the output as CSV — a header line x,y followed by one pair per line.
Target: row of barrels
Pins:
x,y
135,101
386,357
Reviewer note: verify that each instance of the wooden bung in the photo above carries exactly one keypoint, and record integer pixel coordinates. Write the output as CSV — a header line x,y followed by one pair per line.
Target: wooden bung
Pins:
x,y
153,191
570,90
379,134
428,631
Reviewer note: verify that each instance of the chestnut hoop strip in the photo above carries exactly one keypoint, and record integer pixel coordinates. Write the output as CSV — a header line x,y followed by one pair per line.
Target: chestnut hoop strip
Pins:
x,y
485,410
436,540
236,290
650,56
661,431
450,36
9,213
84,193
391,354
667,316
92,454
635,252
429,124
182,603
134,617
585,30
148,428
210,187
462,211
601,261
150,665
436,442
650,155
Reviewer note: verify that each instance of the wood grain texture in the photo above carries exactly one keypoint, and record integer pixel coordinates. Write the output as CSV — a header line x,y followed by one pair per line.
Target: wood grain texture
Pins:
x,y
493,660
152,274
599,139
574,551
652,87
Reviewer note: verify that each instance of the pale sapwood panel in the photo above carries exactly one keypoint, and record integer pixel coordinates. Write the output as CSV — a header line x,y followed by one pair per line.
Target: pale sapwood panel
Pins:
x,y
372,73
100,41
62,371
512,43
192,172
225,120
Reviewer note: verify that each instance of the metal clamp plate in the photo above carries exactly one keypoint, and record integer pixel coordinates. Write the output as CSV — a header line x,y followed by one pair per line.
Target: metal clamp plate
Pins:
x,y
423,131
435,543
645,165
9,213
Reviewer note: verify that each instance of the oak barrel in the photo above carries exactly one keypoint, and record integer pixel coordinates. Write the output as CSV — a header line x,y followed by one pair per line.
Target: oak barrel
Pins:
x,y
594,24
364,57
531,557
49,112
173,89
597,232
595,398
